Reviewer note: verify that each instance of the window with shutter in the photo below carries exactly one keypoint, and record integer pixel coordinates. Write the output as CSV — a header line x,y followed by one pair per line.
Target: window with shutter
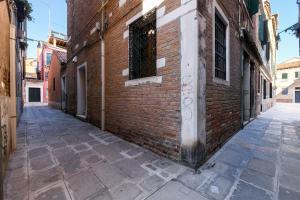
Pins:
x,y
252,6
284,76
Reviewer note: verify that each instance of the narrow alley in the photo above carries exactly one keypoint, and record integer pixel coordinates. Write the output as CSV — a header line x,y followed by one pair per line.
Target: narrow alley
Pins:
x,y
60,157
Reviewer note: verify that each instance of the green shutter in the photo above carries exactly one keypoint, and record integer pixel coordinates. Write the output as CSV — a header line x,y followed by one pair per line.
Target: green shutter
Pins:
x,y
253,6
261,28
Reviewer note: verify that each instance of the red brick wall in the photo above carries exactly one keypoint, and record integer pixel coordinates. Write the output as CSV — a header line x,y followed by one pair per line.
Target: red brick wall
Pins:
x,y
146,114
79,26
54,98
223,102
149,114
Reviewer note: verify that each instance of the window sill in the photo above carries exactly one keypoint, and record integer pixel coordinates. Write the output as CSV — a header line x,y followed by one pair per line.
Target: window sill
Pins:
x,y
143,81
221,81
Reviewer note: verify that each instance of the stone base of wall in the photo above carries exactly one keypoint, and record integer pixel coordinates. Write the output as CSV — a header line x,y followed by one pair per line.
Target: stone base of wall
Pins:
x,y
284,100
55,105
5,131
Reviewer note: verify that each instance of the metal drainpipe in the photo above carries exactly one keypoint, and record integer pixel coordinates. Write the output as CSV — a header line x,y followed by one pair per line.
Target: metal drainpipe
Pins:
x,y
242,71
102,70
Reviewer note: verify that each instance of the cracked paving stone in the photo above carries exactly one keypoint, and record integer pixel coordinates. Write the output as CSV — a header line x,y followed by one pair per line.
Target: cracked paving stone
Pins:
x,y
192,180
175,191
37,152
218,188
259,179
152,183
233,158
132,169
287,194
290,182
42,179
163,163
109,152
146,157
81,147
41,163
245,191
92,159
126,191
263,166
108,174
83,185
55,193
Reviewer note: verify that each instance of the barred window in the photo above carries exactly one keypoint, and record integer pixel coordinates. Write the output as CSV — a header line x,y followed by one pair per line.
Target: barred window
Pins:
x,y
142,47
220,48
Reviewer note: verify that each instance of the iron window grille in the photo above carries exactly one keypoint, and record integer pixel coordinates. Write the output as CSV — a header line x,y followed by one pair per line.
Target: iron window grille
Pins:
x,y
142,47
220,48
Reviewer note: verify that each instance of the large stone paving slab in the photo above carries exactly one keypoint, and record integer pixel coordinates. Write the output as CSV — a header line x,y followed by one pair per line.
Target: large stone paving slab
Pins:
x,y
83,185
245,191
60,157
175,191
109,175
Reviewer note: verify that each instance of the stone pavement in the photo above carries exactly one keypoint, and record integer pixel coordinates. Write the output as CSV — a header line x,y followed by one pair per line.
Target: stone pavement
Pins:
x,y
62,158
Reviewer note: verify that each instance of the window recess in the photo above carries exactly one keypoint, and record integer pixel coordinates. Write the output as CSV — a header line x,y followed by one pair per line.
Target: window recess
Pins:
x,y
142,47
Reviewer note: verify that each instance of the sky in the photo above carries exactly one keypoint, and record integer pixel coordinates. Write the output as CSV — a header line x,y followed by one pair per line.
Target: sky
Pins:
x,y
38,29
288,16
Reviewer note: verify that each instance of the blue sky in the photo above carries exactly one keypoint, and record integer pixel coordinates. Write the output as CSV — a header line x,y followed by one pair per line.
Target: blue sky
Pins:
x,y
38,29
288,15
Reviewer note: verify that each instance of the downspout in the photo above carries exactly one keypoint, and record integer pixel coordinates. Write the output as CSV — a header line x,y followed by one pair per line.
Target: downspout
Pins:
x,y
102,70
242,68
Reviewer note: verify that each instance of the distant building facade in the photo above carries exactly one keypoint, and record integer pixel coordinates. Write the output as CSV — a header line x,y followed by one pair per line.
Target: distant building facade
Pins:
x,y
288,81
178,77
33,87
56,80
31,68
56,41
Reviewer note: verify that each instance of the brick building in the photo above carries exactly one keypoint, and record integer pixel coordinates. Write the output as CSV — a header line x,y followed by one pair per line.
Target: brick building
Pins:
x,y
56,42
164,74
55,80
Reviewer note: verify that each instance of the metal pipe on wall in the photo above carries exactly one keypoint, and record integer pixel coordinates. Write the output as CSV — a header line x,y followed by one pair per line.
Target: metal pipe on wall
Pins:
x,y
102,67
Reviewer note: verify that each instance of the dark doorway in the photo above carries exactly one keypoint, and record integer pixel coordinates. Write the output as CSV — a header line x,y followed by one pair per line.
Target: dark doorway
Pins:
x,y
252,90
34,95
297,96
